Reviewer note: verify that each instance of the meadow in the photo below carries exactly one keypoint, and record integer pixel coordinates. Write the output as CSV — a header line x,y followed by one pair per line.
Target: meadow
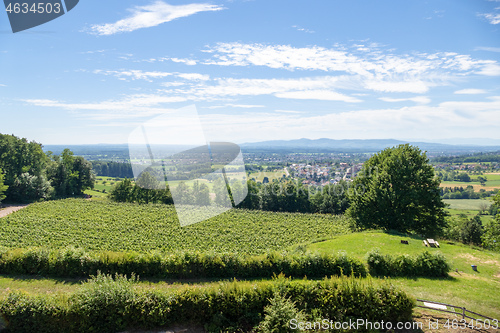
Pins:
x,y
493,182
106,226
477,291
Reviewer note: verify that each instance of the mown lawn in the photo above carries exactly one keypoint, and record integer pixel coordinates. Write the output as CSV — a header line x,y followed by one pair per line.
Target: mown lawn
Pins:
x,y
477,291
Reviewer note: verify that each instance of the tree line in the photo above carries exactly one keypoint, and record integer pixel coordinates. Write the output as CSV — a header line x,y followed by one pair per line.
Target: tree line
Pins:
x,y
112,169
27,174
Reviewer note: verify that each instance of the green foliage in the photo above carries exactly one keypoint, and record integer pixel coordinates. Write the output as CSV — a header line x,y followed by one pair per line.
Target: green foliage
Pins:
x,y
397,190
278,314
71,262
70,175
108,305
3,187
29,188
18,157
462,229
472,231
491,236
424,264
332,199
109,226
103,303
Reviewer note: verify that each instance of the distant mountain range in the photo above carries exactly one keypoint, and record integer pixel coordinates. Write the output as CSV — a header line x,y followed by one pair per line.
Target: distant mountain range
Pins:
x,y
121,151
372,145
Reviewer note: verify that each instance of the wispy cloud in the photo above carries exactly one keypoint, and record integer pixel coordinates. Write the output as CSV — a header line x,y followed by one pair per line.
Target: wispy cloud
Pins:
x,y
487,48
418,99
303,29
134,74
151,15
470,91
323,95
129,107
365,65
244,106
493,18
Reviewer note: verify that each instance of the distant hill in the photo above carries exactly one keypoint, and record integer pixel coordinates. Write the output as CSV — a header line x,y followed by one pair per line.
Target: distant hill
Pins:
x,y
359,146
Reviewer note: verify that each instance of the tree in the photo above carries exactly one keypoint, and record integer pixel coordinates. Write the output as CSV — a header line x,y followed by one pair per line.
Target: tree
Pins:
x,y
29,188
3,187
201,194
18,157
183,194
472,231
122,192
70,175
491,236
397,189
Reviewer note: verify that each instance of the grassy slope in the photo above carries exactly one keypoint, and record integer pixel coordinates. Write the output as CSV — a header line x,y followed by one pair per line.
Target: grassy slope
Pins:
x,y
477,291
103,225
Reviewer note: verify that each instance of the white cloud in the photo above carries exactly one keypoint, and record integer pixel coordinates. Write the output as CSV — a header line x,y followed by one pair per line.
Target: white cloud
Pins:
x,y
244,106
324,95
321,88
132,106
2,85
492,69
487,48
418,99
135,74
148,76
470,91
366,65
288,111
189,62
416,86
372,61
493,18
150,16
303,29
476,119
194,76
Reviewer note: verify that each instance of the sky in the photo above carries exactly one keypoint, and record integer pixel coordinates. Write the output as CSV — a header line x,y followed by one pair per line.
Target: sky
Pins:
x,y
256,70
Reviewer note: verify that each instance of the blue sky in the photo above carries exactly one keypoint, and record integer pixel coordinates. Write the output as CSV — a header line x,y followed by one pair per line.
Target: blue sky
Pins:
x,y
257,70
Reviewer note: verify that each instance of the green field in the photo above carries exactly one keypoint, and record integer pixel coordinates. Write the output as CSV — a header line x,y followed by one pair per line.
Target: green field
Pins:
x,y
103,225
469,207
493,182
467,204
477,291
259,176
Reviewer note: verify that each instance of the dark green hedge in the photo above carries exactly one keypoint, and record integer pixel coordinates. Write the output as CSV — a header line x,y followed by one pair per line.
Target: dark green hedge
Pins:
x,y
104,304
71,262
424,264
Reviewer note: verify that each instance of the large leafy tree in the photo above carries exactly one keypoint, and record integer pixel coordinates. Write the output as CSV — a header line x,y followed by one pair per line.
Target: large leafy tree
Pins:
x,y
19,160
70,175
397,190
3,187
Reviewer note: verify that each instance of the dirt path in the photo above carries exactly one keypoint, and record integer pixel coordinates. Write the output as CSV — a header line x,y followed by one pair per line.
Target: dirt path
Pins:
x,y
9,209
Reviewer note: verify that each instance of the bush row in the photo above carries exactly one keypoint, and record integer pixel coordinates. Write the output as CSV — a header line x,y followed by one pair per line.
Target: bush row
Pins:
x,y
424,264
72,262
104,304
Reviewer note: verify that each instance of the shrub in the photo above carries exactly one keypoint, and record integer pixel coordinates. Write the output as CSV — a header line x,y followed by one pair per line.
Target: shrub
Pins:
x,y
73,262
424,264
278,314
104,304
